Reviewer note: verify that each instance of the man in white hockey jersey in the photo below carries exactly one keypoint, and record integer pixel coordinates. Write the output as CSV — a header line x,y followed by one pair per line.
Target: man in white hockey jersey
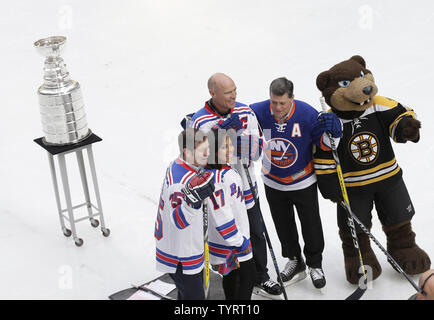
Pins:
x,y
179,224
224,112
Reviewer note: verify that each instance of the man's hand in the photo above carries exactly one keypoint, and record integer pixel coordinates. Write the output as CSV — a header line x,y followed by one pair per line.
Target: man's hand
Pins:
x,y
198,189
233,122
330,123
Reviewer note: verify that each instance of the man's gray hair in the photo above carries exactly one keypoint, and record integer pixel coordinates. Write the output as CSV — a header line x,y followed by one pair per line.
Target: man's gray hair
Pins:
x,y
280,86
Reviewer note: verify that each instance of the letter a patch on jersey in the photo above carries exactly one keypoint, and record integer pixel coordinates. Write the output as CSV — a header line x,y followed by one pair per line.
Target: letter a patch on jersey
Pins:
x,y
296,132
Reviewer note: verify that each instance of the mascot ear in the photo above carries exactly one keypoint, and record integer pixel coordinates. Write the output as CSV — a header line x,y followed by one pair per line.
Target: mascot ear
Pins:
x,y
359,60
322,80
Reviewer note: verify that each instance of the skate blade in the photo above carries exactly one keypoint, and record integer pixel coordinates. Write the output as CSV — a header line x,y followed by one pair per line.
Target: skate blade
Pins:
x,y
262,293
298,277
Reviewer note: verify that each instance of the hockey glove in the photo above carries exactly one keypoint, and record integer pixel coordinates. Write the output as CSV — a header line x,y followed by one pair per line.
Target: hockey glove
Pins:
x,y
185,120
198,189
233,122
330,122
249,147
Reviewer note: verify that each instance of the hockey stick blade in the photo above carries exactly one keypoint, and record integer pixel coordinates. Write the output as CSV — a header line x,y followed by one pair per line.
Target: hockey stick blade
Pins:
x,y
356,295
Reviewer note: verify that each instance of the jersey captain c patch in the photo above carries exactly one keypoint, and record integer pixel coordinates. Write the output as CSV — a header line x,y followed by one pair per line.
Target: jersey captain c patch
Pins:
x,y
364,147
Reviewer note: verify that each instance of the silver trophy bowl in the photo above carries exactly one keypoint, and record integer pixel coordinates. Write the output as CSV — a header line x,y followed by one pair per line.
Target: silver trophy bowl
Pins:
x,y
60,100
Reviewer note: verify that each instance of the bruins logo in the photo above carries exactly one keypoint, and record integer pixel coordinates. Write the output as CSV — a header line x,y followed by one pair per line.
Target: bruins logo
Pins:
x,y
364,147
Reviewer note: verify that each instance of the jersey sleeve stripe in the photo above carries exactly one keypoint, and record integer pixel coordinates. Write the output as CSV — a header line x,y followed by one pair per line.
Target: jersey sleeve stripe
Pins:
x,y
395,123
170,176
323,161
228,230
220,175
323,145
179,218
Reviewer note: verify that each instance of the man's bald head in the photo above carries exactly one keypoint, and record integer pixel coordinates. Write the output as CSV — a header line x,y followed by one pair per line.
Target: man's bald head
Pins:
x,y
223,92
427,281
218,80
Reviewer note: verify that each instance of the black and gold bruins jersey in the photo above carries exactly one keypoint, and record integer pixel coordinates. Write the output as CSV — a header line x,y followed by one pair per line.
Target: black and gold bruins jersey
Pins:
x,y
365,150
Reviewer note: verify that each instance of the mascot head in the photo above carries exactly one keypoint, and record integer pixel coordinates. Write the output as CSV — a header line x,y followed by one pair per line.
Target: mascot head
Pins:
x,y
348,87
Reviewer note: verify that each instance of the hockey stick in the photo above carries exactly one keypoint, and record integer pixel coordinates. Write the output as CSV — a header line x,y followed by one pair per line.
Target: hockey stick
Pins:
x,y
146,289
283,153
356,295
392,261
205,244
267,238
206,250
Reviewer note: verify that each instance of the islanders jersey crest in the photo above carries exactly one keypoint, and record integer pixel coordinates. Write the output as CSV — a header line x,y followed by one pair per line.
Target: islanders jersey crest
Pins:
x,y
281,152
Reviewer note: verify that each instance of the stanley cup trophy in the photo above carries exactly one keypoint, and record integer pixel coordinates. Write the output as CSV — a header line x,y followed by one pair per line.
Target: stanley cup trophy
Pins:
x,y
61,104
65,131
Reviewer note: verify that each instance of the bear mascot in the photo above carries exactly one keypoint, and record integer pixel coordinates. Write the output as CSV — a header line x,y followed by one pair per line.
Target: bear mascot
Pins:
x,y
370,171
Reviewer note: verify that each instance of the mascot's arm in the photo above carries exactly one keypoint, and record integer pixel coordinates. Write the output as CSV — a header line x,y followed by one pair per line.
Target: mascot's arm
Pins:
x,y
400,121
325,169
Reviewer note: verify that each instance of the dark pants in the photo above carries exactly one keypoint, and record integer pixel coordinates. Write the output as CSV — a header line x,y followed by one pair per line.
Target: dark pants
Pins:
x,y
259,245
190,286
282,211
392,203
238,284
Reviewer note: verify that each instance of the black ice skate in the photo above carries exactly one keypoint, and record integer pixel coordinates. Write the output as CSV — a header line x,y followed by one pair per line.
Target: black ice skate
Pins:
x,y
268,289
317,276
294,271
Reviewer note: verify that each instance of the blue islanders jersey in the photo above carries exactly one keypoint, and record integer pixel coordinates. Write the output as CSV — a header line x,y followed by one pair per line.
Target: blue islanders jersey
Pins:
x,y
178,227
205,118
287,163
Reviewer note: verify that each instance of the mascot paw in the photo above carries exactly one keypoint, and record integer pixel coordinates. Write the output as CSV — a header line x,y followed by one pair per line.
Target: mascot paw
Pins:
x,y
351,258
412,260
401,244
410,129
352,267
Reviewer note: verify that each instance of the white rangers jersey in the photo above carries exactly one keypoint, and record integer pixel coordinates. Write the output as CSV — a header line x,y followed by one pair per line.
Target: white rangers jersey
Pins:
x,y
178,227
228,224
206,118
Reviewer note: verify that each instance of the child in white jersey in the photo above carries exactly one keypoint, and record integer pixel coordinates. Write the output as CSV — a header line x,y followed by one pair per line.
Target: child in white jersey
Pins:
x,y
229,235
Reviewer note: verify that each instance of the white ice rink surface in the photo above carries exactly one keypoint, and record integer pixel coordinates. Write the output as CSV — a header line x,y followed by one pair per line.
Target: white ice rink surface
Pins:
x,y
142,65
